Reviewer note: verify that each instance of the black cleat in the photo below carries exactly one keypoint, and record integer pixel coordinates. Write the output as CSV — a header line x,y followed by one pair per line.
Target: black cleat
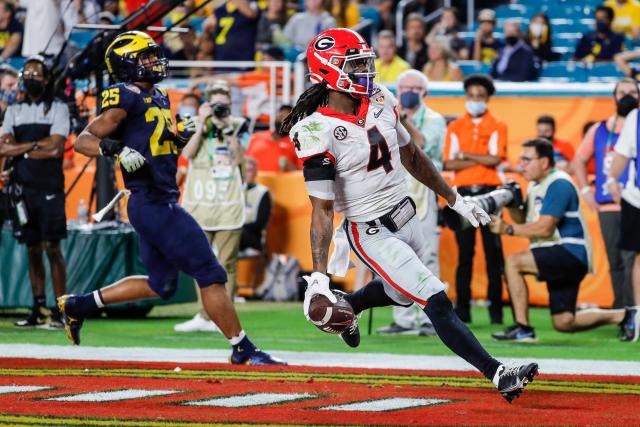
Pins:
x,y
257,358
71,324
516,333
630,325
37,319
352,335
512,381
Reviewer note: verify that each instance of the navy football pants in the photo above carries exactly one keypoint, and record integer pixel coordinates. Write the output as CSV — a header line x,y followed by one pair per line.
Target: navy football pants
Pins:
x,y
171,241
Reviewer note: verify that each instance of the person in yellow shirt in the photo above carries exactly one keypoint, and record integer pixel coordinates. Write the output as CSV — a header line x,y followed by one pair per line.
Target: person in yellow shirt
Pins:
x,y
388,63
627,17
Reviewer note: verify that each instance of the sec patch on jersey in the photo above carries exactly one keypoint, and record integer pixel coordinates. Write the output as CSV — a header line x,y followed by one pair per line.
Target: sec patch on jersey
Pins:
x,y
329,317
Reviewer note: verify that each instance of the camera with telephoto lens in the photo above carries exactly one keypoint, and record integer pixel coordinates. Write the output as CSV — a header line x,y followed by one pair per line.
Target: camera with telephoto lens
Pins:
x,y
221,111
508,195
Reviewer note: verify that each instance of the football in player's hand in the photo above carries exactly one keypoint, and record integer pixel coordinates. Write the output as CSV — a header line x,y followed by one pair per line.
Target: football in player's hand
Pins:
x,y
329,317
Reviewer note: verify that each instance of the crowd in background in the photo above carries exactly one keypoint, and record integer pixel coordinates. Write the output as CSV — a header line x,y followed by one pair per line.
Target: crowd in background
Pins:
x,y
473,145
245,30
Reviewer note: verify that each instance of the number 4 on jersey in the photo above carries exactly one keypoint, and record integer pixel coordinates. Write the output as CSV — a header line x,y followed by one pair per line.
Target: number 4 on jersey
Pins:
x,y
379,155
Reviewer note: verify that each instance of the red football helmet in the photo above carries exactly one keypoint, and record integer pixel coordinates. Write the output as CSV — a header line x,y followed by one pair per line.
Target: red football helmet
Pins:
x,y
341,58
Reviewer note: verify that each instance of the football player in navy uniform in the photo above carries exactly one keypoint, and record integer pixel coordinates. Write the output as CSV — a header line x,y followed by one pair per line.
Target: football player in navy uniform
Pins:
x,y
135,113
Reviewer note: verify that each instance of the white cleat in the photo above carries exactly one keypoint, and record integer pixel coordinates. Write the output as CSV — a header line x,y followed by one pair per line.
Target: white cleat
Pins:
x,y
197,324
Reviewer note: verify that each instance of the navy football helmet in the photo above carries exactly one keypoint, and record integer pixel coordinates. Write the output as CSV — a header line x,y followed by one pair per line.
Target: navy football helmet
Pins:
x,y
134,57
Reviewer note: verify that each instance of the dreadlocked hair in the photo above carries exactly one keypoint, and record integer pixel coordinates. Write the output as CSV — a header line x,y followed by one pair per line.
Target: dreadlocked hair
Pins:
x,y
312,98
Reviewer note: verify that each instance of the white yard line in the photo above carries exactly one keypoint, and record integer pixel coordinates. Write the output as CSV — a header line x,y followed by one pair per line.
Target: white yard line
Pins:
x,y
347,360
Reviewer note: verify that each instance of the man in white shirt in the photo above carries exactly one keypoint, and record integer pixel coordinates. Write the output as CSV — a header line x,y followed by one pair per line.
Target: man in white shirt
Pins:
x,y
43,28
629,198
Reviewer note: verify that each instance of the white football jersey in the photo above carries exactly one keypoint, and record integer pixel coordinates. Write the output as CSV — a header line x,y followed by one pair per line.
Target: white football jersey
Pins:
x,y
369,178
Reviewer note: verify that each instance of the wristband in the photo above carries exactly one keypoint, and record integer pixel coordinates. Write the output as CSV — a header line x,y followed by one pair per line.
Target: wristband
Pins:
x,y
586,189
509,230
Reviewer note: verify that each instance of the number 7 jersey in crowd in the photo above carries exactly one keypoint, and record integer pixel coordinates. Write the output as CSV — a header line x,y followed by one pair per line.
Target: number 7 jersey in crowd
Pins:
x,y
147,129
364,149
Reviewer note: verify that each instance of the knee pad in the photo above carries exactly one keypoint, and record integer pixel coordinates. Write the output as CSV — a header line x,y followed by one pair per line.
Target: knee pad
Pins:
x,y
439,305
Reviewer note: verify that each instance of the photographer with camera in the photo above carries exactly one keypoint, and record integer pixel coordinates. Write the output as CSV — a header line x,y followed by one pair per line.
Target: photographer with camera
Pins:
x,y
475,145
559,250
33,135
214,190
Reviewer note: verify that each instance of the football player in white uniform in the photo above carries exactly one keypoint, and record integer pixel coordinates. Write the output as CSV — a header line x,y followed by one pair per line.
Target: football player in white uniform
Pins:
x,y
347,132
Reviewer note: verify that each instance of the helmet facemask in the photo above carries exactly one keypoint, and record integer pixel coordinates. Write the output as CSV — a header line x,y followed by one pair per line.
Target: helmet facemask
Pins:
x,y
361,71
151,65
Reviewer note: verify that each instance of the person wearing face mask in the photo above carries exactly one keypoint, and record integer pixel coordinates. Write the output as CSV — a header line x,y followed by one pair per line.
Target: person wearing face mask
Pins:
x,y
475,144
516,61
8,96
214,189
559,251
427,129
603,43
188,108
539,37
563,150
599,143
274,151
33,136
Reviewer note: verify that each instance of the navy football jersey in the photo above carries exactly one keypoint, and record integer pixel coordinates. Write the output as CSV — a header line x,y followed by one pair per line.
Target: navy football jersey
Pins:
x,y
235,36
147,129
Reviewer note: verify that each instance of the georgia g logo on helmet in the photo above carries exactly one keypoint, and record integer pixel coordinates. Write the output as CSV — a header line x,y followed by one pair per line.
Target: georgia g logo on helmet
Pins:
x,y
324,43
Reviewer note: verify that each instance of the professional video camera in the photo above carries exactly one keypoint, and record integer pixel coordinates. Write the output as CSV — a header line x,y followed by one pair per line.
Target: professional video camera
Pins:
x,y
509,195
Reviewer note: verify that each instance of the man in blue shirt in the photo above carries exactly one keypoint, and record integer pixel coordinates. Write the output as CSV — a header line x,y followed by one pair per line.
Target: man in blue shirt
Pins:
x,y
559,251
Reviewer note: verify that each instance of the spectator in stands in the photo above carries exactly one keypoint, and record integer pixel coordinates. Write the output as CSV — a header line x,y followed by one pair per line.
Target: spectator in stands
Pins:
x,y
599,143
448,27
559,251
427,129
627,17
274,151
43,27
388,63
304,26
603,43
8,88
474,146
106,18
10,31
485,47
539,37
188,46
345,12
257,204
113,7
562,150
386,10
33,135
78,12
234,25
516,61
271,23
624,60
414,50
441,66
213,193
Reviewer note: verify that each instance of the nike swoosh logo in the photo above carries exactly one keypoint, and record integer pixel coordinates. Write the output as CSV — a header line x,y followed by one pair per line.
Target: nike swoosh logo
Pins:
x,y
377,113
240,349
50,196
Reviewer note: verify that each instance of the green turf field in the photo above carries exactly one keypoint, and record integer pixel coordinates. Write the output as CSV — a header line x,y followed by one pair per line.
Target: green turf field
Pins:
x,y
281,326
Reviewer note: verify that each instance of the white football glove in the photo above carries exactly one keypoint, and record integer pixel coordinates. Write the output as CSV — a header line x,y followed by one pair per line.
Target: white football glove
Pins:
x,y
470,211
186,127
130,159
317,283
